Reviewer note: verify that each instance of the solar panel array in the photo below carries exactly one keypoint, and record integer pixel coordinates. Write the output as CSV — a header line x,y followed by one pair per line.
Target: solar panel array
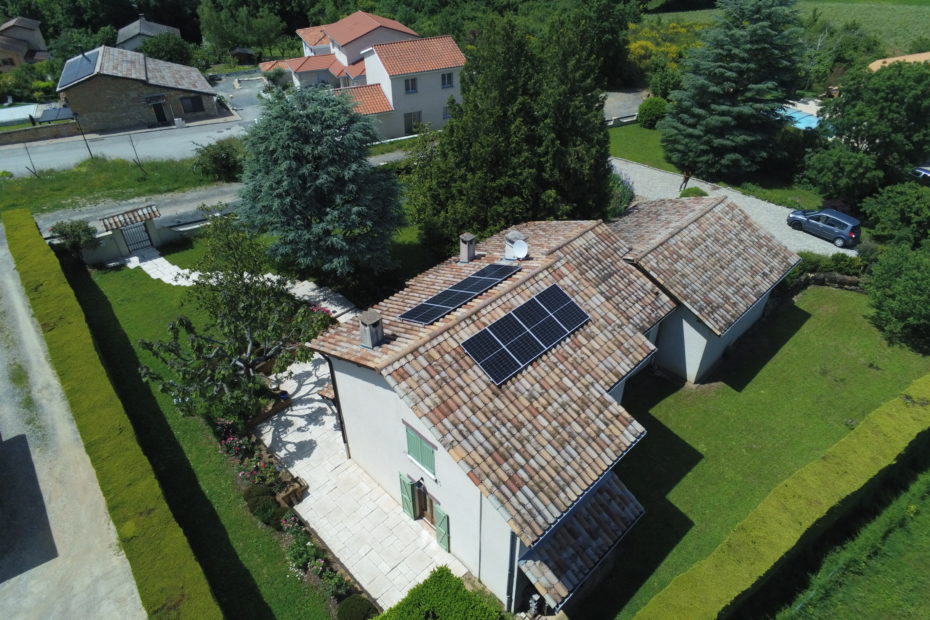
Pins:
x,y
55,114
459,293
78,68
511,343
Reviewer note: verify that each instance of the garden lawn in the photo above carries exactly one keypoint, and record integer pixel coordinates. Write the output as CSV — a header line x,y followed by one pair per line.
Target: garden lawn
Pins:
x,y
94,180
896,23
244,562
640,145
796,384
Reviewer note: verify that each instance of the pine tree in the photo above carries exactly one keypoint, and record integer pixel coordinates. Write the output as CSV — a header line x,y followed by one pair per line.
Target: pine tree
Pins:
x,y
307,181
723,121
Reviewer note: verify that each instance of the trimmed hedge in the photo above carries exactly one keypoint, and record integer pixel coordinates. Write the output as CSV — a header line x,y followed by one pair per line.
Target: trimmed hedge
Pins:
x,y
811,499
168,577
442,595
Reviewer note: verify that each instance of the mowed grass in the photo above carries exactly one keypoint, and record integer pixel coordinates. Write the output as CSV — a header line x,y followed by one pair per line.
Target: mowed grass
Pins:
x,y
797,383
639,144
896,23
96,180
243,560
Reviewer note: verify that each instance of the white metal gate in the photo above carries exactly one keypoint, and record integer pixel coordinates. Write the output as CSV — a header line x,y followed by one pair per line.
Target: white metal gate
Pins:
x,y
136,236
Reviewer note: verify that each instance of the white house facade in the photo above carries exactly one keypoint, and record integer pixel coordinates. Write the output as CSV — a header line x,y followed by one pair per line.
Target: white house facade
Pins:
x,y
417,76
485,397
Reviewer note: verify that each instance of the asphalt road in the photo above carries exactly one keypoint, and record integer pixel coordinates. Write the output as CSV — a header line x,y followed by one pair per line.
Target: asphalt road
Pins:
x,y
161,143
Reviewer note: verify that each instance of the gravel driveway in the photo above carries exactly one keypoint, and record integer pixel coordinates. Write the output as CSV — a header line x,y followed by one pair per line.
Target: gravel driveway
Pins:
x,y
59,556
653,184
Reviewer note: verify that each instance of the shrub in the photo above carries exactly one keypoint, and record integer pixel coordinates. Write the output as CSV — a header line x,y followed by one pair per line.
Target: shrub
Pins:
x,y
663,81
76,235
621,194
5,174
899,291
842,264
900,214
168,577
442,595
356,607
221,160
335,585
301,551
651,111
692,192
814,498
266,509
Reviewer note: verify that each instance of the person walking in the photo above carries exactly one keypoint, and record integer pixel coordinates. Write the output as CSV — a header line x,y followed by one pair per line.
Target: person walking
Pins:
x,y
684,180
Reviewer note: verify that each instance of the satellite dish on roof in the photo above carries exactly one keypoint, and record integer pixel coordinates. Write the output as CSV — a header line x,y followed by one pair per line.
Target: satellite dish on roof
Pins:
x,y
520,249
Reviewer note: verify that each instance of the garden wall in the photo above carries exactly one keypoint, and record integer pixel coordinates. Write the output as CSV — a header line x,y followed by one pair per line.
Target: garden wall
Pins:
x,y
40,132
800,509
168,577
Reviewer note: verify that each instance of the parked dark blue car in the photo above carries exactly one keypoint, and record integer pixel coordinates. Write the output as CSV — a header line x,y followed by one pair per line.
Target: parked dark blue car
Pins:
x,y
843,230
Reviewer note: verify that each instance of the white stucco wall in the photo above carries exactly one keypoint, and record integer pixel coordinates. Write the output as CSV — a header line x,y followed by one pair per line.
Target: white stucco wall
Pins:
x,y
314,78
314,50
375,419
689,349
429,99
375,73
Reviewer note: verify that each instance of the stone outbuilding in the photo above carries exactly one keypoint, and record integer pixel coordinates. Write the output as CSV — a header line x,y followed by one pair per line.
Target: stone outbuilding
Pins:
x,y
132,36
111,89
21,42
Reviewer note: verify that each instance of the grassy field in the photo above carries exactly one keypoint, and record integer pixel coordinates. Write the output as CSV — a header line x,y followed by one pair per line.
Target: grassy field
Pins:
x,y
95,180
243,560
389,147
896,23
642,145
796,385
882,572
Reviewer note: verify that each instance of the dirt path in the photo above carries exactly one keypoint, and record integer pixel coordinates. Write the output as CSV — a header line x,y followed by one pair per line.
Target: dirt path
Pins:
x,y
59,556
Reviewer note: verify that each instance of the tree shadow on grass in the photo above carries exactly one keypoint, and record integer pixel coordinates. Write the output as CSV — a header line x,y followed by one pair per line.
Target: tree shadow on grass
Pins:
x,y
232,584
651,470
759,344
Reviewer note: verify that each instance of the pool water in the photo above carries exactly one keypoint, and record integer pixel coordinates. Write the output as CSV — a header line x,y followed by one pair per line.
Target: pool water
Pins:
x,y
799,119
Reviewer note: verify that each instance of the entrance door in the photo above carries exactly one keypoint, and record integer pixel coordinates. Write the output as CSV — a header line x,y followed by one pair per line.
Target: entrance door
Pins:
x,y
424,502
160,113
136,236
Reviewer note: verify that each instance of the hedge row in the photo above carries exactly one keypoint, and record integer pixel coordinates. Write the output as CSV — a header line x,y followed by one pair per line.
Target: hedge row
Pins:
x,y
867,543
812,499
168,577
442,595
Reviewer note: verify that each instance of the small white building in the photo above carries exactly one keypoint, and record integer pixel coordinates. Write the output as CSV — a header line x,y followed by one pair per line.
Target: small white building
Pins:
x,y
485,397
416,76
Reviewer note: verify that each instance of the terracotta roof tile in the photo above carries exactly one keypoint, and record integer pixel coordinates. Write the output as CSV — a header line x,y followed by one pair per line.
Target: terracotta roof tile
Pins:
x,y
271,65
417,55
314,35
359,24
369,99
706,252
555,415
562,561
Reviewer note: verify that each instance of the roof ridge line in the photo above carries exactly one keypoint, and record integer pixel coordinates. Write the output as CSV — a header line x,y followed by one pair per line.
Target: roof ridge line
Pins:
x,y
429,336
682,224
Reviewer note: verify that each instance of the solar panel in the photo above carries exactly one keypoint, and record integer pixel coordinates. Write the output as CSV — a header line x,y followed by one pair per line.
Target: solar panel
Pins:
x,y
78,68
461,292
512,342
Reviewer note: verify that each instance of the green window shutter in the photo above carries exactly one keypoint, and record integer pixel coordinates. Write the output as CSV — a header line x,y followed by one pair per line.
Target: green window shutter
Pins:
x,y
406,495
420,451
442,527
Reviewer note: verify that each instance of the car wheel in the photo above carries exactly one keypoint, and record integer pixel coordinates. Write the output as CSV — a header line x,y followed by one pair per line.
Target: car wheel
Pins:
x,y
839,242
795,225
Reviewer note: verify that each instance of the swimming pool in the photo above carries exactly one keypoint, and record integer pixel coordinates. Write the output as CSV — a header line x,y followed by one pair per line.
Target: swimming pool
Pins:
x,y
799,119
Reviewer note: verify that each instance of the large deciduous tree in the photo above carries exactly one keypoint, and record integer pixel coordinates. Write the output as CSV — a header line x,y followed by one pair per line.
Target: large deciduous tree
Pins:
x,y
724,120
899,291
252,318
528,140
308,182
883,115
900,214
169,47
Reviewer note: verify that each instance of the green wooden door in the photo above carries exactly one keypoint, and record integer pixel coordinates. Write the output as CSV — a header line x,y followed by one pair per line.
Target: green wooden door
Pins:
x,y
406,495
442,527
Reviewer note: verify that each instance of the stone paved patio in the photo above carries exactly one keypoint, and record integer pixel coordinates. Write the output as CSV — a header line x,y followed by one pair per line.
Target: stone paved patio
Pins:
x,y
386,551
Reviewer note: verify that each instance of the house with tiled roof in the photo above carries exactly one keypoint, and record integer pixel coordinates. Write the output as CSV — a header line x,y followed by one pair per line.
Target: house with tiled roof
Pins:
x,y
109,88
486,395
417,76
132,36
21,41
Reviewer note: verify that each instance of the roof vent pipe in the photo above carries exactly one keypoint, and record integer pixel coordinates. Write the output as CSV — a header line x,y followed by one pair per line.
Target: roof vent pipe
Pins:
x,y
466,248
371,330
515,246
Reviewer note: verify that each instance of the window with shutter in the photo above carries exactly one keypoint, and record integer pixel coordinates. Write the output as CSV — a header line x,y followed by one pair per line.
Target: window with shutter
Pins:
x,y
442,527
406,496
420,451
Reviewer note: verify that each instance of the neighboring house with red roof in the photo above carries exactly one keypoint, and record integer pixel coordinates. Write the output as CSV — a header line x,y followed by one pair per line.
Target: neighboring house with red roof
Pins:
x,y
21,42
485,397
416,75
110,88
